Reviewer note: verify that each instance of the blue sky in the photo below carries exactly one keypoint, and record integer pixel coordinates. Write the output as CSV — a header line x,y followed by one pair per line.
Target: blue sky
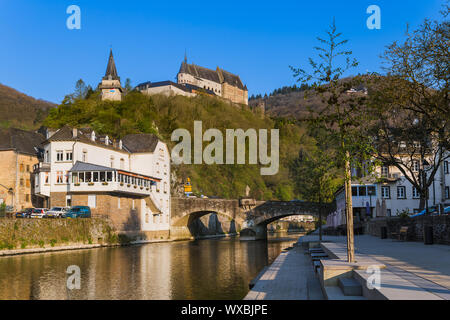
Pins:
x,y
256,39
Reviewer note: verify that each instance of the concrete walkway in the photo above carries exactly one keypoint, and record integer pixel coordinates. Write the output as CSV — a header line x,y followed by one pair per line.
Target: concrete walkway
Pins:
x,y
289,277
427,266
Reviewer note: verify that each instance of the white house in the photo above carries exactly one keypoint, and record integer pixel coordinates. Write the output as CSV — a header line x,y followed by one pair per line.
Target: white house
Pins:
x,y
394,192
128,180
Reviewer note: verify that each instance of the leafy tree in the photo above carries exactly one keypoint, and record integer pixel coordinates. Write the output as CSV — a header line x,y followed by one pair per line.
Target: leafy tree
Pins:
x,y
411,104
342,113
314,172
128,86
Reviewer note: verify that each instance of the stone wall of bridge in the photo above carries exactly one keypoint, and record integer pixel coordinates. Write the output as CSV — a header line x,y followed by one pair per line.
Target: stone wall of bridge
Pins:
x,y
247,217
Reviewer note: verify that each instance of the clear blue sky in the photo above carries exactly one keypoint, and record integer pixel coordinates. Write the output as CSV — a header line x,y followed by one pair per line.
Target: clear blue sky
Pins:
x,y
256,39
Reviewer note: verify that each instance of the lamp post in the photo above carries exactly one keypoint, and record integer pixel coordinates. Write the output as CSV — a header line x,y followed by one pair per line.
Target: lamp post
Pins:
x,y
370,192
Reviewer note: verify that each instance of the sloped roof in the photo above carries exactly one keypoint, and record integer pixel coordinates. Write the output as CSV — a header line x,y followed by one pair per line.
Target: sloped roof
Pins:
x,y
20,141
219,75
84,166
231,79
111,71
200,72
141,142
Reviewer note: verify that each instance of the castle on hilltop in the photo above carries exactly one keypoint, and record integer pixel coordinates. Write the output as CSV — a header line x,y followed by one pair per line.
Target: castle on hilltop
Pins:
x,y
193,79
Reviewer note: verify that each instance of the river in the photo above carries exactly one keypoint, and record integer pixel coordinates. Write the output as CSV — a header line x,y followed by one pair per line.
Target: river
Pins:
x,y
219,268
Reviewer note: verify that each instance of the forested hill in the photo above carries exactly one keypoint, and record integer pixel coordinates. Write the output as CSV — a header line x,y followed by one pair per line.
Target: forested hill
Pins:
x,y
290,102
21,111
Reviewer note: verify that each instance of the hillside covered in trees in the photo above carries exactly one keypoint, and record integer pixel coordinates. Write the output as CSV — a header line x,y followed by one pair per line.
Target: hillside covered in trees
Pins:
x,y
21,111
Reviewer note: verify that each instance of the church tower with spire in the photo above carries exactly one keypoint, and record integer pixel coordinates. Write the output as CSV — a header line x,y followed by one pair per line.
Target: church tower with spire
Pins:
x,y
110,85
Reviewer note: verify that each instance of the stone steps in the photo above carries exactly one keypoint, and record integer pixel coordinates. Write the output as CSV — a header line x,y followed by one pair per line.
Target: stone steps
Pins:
x,y
350,287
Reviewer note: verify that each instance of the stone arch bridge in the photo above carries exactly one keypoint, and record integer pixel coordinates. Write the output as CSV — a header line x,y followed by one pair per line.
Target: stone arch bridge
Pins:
x,y
249,217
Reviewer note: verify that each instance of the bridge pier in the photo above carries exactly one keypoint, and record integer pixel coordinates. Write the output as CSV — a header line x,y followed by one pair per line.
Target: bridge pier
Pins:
x,y
180,233
258,232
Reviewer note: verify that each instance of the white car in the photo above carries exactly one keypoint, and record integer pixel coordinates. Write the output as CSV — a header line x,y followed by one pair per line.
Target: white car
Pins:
x,y
56,212
38,212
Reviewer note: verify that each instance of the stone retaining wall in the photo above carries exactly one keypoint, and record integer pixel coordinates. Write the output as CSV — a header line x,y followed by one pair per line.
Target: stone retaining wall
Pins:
x,y
40,233
440,224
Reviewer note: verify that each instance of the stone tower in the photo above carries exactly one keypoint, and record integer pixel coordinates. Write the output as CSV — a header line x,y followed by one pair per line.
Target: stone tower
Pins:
x,y
110,85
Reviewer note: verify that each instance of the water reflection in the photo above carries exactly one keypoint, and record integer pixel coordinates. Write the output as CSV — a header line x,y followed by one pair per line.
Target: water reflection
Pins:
x,y
201,269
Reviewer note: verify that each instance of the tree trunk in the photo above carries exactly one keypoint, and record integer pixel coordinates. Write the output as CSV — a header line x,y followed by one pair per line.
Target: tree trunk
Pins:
x,y
320,214
349,210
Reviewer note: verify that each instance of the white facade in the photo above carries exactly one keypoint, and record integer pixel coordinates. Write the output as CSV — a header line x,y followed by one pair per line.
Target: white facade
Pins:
x,y
53,175
396,192
167,90
184,78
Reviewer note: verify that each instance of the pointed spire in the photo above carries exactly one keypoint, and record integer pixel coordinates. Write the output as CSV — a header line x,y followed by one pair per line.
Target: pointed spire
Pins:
x,y
185,56
111,71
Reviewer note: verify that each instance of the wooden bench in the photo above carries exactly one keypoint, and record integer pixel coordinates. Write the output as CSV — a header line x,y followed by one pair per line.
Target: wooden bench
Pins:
x,y
402,233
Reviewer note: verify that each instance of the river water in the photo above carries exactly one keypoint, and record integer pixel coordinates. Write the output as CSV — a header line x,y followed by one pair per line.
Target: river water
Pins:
x,y
218,268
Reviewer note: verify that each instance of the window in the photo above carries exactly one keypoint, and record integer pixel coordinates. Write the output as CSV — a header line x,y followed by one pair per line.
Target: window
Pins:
x,y
109,176
22,168
388,212
28,168
446,167
27,197
28,183
68,201
59,177
111,160
122,164
67,177
371,191
92,200
165,187
354,191
46,157
46,178
95,177
384,172
415,193
102,176
362,191
386,192
21,182
401,192
59,155
447,192
415,166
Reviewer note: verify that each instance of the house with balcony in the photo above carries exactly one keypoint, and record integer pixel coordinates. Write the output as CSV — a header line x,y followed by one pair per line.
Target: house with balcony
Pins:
x,y
127,180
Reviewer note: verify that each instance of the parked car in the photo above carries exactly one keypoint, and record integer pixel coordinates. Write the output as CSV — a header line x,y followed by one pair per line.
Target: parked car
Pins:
x,y
38,212
24,213
79,212
432,211
56,212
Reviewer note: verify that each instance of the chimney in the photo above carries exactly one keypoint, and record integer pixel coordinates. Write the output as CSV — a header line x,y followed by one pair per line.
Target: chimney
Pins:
x,y
107,140
74,132
120,144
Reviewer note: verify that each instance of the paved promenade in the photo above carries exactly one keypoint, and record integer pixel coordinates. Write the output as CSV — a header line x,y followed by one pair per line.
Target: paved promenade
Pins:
x,y
289,277
427,266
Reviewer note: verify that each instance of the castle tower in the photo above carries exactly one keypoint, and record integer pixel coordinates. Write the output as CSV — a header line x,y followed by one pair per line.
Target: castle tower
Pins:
x,y
110,85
